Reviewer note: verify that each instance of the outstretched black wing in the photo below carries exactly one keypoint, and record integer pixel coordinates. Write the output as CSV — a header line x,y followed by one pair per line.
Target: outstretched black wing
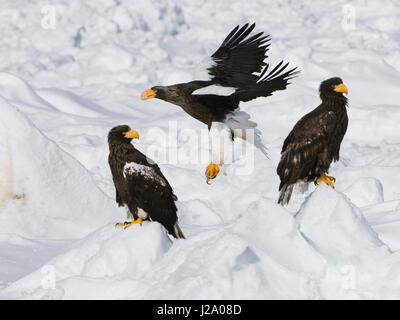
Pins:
x,y
276,79
238,64
238,58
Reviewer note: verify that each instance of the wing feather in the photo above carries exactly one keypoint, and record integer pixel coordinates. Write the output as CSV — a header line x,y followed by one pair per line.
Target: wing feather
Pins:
x,y
151,191
267,84
238,58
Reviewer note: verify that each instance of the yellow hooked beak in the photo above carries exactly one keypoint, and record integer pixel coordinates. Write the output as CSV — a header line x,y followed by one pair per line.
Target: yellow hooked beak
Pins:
x,y
131,134
148,94
340,88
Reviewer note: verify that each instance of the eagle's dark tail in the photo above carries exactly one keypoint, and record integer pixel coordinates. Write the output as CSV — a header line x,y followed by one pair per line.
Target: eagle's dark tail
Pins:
x,y
285,194
177,232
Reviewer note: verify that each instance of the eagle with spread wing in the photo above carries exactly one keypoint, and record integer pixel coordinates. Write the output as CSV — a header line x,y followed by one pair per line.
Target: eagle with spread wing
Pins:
x,y
315,141
140,185
238,73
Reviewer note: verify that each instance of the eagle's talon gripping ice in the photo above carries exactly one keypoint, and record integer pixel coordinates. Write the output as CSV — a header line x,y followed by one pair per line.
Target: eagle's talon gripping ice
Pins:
x,y
130,224
327,179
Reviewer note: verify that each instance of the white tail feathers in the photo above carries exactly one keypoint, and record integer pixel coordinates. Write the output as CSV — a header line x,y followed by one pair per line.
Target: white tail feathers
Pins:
x,y
238,121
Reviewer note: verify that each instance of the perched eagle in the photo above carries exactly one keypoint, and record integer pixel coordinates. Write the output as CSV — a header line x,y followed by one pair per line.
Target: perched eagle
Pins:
x,y
314,141
215,102
140,185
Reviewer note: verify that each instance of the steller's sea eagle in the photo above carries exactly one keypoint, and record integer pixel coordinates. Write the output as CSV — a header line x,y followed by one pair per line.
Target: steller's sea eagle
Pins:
x,y
140,185
215,102
314,142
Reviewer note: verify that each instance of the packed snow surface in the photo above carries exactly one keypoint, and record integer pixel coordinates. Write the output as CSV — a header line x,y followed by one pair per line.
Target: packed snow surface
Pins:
x,y
67,79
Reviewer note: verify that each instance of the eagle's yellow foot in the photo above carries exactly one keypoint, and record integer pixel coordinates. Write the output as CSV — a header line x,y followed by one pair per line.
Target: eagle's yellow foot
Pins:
x,y
327,179
127,224
211,171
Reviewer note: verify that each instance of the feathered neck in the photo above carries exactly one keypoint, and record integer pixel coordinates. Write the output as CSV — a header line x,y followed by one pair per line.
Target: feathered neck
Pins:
x,y
118,145
334,101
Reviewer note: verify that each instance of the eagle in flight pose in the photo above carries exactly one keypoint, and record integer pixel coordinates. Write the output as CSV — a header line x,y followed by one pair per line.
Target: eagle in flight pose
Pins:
x,y
233,79
314,142
140,185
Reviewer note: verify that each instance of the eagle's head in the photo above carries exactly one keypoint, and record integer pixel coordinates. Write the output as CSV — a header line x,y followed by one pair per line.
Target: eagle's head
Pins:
x,y
333,87
158,92
121,134
167,93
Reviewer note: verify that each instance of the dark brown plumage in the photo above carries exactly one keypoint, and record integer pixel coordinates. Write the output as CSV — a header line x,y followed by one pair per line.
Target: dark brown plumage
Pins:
x,y
234,65
315,140
140,185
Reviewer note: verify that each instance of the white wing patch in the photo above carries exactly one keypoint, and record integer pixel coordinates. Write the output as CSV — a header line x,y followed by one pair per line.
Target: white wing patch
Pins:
x,y
132,168
215,89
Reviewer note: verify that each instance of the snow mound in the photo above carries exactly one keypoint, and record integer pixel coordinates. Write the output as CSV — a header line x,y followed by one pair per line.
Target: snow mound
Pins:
x,y
16,90
335,226
357,259
69,102
108,253
111,58
365,192
44,192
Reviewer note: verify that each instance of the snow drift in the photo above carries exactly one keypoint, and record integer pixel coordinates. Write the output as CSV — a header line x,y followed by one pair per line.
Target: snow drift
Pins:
x,y
359,263
323,252
109,253
44,191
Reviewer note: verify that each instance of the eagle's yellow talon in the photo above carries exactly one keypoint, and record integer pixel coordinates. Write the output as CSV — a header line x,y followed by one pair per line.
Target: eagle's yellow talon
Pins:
x,y
126,224
211,171
327,179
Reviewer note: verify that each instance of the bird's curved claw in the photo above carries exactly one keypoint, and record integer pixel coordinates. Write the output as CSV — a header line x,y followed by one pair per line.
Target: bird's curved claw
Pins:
x,y
327,179
127,224
120,224
212,171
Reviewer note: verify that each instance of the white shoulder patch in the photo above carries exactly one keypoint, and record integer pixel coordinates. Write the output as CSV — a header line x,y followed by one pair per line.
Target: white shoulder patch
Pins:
x,y
132,168
215,89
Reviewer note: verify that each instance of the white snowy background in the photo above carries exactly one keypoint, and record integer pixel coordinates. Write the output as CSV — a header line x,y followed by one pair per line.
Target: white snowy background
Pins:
x,y
65,82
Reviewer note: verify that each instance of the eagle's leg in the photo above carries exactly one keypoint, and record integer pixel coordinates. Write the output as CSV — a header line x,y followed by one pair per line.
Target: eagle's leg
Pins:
x,y
221,148
211,171
327,179
127,224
